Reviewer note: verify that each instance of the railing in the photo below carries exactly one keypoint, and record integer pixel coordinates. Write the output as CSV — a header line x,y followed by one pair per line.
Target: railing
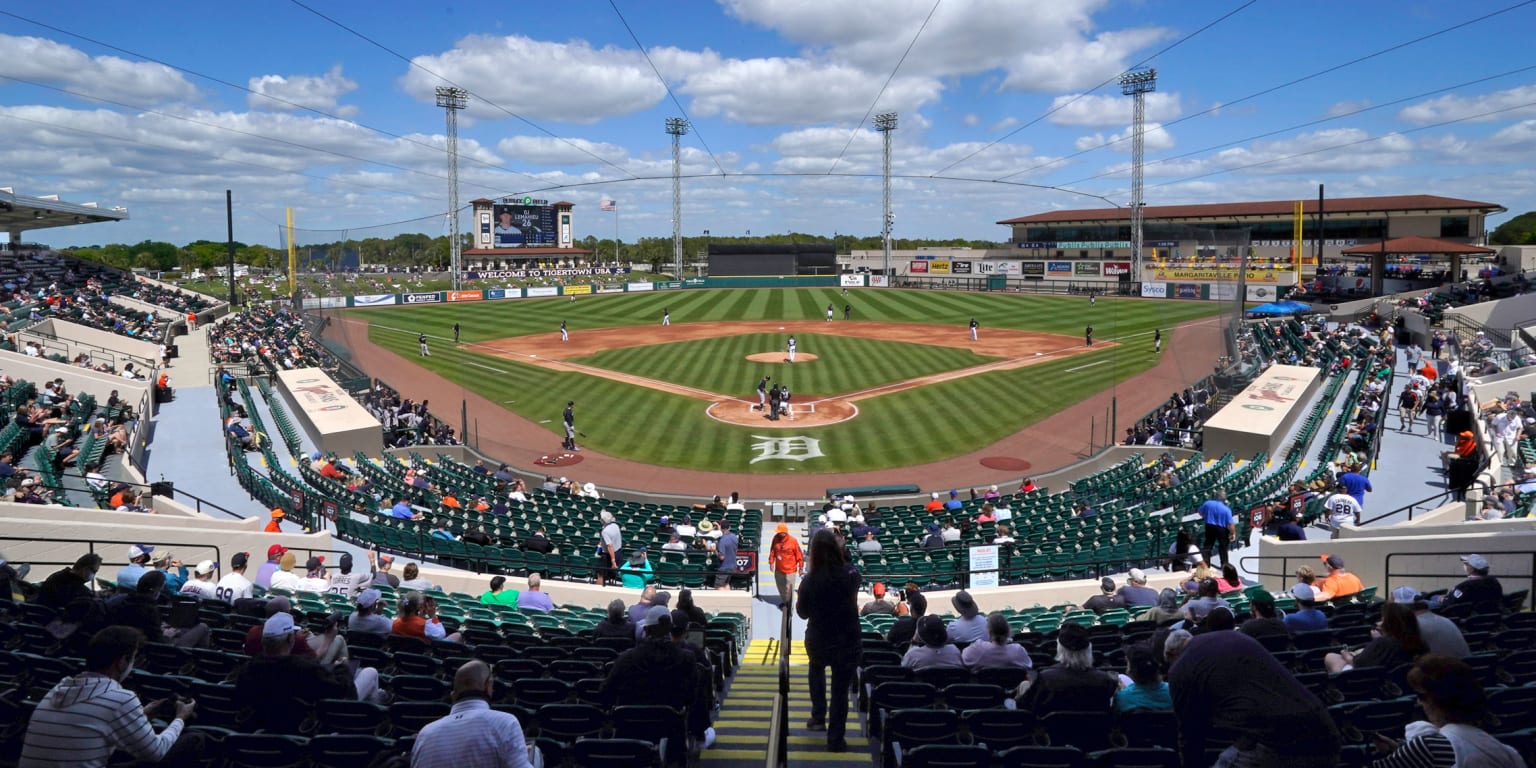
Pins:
x,y
68,348
90,544
778,741
1529,577
199,503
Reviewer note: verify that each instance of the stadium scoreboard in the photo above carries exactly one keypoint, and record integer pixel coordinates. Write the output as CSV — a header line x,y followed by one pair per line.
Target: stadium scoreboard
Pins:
x,y
524,223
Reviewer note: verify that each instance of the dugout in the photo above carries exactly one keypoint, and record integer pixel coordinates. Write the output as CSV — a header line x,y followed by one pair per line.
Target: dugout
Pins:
x,y
751,259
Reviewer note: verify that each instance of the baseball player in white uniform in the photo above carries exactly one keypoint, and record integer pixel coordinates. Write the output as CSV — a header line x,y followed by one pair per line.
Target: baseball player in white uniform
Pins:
x,y
791,348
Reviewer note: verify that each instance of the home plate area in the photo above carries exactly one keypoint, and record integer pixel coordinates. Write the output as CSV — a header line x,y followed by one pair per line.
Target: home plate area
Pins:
x,y
817,413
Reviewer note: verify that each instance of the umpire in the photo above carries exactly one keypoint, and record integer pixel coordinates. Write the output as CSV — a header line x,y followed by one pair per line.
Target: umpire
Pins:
x,y
570,425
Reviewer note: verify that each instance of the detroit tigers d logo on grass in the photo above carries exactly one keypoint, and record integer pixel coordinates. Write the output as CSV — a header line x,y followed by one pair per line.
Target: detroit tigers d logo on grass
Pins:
x,y
796,448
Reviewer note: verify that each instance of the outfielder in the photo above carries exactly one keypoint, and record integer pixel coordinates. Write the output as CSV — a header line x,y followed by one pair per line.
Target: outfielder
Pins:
x,y
666,316
974,326
791,349
422,340
455,333
1157,340
565,335
829,313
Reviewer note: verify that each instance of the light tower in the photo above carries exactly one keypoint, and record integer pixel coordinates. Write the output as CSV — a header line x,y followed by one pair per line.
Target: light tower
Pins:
x,y
1137,83
676,128
885,122
453,99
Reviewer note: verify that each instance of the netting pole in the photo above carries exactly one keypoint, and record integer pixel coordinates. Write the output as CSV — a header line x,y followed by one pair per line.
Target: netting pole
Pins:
x,y
293,259
229,222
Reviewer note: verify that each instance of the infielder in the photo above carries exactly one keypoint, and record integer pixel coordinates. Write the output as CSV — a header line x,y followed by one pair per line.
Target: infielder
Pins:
x,y
1088,336
829,313
565,335
762,394
974,326
666,316
570,425
791,349
1157,340
455,333
422,340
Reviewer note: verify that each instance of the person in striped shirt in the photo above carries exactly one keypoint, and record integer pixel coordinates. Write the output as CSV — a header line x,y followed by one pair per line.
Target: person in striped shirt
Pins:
x,y
86,717
1449,736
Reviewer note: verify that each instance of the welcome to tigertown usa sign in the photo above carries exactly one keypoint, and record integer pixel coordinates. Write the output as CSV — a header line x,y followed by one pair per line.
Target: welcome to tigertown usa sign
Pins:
x,y
502,274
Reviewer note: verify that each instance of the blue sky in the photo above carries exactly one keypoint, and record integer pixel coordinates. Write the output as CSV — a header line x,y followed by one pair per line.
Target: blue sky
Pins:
x,y
565,106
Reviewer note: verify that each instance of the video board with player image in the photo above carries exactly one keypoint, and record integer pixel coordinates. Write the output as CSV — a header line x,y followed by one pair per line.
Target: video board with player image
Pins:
x,y
523,225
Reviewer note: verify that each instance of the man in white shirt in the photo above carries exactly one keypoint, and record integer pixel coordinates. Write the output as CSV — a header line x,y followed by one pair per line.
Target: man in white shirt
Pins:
x,y
1342,508
201,584
234,586
315,579
949,532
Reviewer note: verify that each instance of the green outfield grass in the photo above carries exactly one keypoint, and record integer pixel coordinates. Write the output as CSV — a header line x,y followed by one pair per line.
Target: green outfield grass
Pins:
x,y
845,364
903,428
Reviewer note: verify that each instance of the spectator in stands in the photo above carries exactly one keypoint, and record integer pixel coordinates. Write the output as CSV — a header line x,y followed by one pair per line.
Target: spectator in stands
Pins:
x,y
949,532
368,617
441,532
1342,509
997,649
1306,617
348,582
499,594
637,572
472,733
1441,634
1072,683
382,576
1451,734
725,551
970,625
1356,485
535,599
1207,599
934,503
932,648
827,602
648,597
1266,620
1229,581
67,585
904,629
869,546
1166,610
141,610
275,523
538,541
284,577
1227,682
1339,582
934,539
1136,593
414,580
264,572
656,670
616,624
878,606
84,718
418,619
1183,553
315,579
201,584
686,604
1220,527
138,564
1395,640
1106,599
402,510
1479,588
1142,688
610,545
279,684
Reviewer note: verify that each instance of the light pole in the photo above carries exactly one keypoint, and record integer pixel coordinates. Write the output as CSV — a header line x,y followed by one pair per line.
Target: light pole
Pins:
x,y
676,128
885,122
1137,83
452,100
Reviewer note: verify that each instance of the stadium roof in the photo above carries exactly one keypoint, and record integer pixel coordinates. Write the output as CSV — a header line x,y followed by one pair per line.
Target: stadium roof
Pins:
x,y
1415,245
1280,208
20,212
525,252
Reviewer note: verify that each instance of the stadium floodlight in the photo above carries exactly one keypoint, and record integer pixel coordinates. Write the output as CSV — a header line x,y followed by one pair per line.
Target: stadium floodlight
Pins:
x,y
885,122
452,99
676,128
1137,83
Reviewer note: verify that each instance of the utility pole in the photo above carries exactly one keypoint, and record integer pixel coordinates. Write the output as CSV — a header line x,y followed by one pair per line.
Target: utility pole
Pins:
x,y
885,122
1137,83
453,99
676,128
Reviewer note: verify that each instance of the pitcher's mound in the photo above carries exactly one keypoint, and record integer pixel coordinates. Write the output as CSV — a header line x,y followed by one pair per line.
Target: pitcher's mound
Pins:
x,y
780,357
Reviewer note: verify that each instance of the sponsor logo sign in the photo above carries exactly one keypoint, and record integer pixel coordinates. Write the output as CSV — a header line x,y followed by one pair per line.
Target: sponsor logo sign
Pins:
x,y
465,295
1154,290
1085,269
695,282
879,281
1186,291
542,290
508,274
960,267
374,300
1116,268
919,267
577,290
938,267
635,287
421,298
1216,274
320,395
1223,291
503,293
1162,244
1261,293
1077,244
325,302
670,285
1034,270
851,280
1058,268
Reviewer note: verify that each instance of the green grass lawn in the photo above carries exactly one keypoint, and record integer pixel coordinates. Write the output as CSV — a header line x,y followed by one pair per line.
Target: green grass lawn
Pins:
x,y
845,364
900,429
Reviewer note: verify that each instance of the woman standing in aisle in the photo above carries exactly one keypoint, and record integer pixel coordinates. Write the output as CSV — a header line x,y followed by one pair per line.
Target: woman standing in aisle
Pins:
x,y
829,604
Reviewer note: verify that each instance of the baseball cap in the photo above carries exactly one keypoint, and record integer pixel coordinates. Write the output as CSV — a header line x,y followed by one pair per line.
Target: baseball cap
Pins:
x,y
783,528
1476,562
313,563
1405,595
368,597
279,624
1073,637
878,589
275,550
930,630
661,598
1138,575
278,513
346,560
240,560
1333,561
141,550
657,616
206,567
29,482
386,559
1107,584
1262,597
1304,593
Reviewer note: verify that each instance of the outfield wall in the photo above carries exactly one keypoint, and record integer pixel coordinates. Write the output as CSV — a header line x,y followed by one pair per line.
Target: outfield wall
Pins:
x,y
338,424
1258,418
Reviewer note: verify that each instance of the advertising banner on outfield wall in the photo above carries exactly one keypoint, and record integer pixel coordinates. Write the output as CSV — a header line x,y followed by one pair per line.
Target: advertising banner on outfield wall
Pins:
x,y
1188,291
960,267
1223,291
879,281
1116,268
1058,268
1261,293
851,280
465,295
670,285
1154,290
493,294
1217,274
421,298
919,267
542,290
519,274
374,300
1032,270
637,287
614,288
1085,269
576,290
938,267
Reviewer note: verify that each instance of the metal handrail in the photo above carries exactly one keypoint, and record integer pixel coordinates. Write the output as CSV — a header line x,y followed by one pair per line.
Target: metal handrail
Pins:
x,y
218,554
200,502
780,744
1432,502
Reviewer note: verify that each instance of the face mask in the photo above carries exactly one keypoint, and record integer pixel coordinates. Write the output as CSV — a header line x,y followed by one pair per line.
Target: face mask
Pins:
x,y
128,670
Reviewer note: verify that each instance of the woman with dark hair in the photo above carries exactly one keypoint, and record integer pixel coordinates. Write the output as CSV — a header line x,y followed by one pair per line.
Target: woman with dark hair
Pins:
x,y
1183,550
1449,736
1395,641
616,623
1230,581
686,605
829,604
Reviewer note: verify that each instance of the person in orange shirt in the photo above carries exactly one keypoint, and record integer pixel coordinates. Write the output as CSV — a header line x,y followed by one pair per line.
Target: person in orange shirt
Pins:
x,y
933,505
191,321
1338,582
275,524
450,501
787,561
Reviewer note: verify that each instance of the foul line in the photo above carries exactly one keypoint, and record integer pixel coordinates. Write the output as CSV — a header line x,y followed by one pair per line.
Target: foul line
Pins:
x,y
1090,365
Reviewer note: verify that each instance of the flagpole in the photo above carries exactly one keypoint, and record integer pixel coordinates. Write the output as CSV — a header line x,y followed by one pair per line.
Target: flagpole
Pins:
x,y
616,233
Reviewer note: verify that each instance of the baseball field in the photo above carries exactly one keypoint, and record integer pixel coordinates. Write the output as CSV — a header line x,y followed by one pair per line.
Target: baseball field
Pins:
x,y
898,383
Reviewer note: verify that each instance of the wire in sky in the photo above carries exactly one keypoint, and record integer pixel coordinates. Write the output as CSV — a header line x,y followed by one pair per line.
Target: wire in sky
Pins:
x,y
1057,108
876,101
1319,73
412,63
670,94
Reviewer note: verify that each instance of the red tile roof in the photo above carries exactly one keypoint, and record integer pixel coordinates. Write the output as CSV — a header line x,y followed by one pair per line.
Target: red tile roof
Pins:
x,y
1417,244
1264,208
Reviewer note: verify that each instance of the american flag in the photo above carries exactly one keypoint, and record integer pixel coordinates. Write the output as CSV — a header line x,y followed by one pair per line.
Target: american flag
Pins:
x,y
608,205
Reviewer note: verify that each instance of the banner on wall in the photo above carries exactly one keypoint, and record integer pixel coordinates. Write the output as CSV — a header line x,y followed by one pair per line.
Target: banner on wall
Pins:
x,y
421,298
576,290
1085,269
1261,293
1223,291
851,280
939,267
509,274
996,267
1186,291
879,281
1058,268
669,285
542,290
1116,268
465,295
503,293
374,300
1217,274
1032,270
960,267
1154,290
919,267
637,287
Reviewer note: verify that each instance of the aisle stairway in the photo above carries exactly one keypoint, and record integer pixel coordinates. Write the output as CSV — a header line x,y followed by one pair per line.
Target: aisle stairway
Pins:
x,y
742,726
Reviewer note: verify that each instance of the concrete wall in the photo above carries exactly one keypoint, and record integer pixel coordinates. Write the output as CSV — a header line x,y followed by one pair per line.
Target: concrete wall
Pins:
x,y
219,308
91,340
78,380
1504,313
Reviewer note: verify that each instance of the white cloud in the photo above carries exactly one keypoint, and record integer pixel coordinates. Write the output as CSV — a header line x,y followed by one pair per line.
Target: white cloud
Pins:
x,y
300,91
779,91
552,151
1105,109
56,64
971,119
1340,108
1329,151
1520,136
1005,123
1156,138
1519,102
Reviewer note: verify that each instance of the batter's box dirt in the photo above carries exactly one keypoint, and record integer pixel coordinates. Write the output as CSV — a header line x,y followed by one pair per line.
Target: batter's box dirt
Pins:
x,y
818,413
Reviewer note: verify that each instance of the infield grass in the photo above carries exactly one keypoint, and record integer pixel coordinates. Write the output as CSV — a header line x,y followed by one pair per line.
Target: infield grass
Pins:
x,y
903,428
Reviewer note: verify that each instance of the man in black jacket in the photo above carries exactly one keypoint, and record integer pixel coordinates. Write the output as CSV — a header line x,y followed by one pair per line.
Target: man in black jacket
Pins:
x,y
655,671
65,586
